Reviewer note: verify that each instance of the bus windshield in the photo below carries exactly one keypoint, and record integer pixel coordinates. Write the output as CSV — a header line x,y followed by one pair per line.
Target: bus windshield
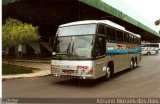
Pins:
x,y
74,47
77,30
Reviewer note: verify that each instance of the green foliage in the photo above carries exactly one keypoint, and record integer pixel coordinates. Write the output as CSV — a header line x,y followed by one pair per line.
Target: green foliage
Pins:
x,y
15,32
13,69
157,22
7,1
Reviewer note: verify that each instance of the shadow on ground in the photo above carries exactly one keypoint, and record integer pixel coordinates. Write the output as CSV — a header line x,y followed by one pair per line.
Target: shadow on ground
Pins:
x,y
89,83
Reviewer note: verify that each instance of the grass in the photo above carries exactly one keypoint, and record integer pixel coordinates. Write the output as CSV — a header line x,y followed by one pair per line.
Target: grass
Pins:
x,y
14,69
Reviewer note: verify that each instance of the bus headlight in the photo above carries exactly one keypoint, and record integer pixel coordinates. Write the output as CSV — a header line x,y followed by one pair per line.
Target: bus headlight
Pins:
x,y
82,72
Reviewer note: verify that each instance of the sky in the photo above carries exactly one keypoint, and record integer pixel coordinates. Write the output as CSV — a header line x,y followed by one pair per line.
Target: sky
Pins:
x,y
143,10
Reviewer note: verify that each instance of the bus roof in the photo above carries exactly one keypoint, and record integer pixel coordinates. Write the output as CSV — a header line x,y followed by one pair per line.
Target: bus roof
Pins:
x,y
150,43
94,22
107,22
133,34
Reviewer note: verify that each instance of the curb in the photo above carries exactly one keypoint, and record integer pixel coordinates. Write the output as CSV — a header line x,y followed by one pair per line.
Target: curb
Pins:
x,y
30,61
36,74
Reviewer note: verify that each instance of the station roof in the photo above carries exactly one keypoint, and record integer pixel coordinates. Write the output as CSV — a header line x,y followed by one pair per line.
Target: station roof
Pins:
x,y
119,14
7,1
133,22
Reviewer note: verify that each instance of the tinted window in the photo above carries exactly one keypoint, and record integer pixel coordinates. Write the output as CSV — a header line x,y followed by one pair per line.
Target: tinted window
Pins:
x,y
111,35
154,45
119,36
101,29
126,37
131,39
137,40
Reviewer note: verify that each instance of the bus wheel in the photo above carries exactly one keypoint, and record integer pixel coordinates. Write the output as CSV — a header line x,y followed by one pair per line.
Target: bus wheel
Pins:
x,y
135,64
131,64
109,71
148,53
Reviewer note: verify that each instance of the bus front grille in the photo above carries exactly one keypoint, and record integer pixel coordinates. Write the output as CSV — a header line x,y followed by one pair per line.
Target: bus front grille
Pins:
x,y
56,71
68,71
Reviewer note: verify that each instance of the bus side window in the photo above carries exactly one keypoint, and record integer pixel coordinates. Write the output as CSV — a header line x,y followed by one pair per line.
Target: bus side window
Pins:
x,y
155,45
101,29
119,36
111,34
134,40
131,39
126,37
137,40
107,32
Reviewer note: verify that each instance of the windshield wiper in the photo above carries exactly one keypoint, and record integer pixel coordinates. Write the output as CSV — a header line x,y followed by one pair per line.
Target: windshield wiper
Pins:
x,y
72,47
68,49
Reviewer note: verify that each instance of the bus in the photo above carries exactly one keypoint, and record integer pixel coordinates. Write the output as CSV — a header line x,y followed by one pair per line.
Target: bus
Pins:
x,y
92,49
150,48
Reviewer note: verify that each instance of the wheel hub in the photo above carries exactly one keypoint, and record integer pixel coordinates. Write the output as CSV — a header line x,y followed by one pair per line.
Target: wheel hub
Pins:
x,y
108,72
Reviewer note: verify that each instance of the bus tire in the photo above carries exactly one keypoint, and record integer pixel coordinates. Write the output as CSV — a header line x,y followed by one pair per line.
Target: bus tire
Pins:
x,y
148,53
135,63
109,71
131,64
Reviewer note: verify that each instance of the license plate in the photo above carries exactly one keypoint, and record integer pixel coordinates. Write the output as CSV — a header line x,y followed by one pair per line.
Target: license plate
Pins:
x,y
67,74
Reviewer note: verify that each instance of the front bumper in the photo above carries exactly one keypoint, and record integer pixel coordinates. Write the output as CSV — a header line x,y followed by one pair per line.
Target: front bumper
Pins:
x,y
74,76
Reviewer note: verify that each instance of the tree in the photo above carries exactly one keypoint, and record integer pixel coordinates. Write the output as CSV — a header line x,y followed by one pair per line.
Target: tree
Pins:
x,y
15,32
157,22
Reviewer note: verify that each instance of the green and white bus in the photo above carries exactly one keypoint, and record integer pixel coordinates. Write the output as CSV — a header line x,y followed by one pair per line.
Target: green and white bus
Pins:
x,y
150,48
94,48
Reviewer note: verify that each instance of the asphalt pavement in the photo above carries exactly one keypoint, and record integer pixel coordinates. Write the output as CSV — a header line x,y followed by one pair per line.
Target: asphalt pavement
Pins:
x,y
143,81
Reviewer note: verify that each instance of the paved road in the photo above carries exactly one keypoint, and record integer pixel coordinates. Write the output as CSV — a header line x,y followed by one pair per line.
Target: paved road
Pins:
x,y
141,82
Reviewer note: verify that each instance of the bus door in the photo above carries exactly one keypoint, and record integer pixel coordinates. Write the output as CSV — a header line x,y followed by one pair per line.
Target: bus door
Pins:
x,y
100,53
